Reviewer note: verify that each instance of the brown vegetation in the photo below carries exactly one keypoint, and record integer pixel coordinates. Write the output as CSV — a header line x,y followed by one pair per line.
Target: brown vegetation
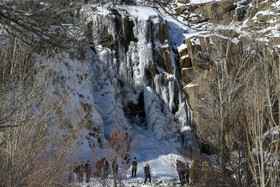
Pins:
x,y
32,124
237,105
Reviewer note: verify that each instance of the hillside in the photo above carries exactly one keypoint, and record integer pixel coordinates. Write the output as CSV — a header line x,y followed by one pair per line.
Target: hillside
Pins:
x,y
185,79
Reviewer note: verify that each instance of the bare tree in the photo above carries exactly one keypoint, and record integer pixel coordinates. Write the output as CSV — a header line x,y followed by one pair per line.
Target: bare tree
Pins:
x,y
238,108
223,74
117,152
32,126
37,23
261,122
30,149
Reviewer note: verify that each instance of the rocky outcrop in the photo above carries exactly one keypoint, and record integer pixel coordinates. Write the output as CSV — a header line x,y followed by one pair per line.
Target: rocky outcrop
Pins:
x,y
259,20
219,12
135,78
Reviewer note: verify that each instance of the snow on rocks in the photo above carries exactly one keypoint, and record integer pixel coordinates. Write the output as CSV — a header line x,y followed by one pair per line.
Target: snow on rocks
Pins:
x,y
195,41
190,85
143,63
202,1
106,97
72,89
182,47
108,83
157,121
141,12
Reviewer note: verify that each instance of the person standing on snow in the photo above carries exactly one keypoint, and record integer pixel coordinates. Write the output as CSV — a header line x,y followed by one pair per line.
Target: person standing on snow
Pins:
x,y
147,173
115,167
80,172
76,171
87,170
193,173
106,166
181,171
187,173
134,167
70,172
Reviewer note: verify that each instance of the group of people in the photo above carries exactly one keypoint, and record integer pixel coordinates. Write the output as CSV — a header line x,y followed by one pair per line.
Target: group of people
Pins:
x,y
205,163
146,170
120,142
78,170
188,175
102,166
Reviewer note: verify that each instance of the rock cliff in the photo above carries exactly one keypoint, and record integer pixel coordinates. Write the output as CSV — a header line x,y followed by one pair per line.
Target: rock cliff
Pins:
x,y
136,76
233,21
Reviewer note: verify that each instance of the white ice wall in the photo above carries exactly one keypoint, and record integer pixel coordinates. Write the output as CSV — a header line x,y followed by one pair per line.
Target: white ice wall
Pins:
x,y
124,69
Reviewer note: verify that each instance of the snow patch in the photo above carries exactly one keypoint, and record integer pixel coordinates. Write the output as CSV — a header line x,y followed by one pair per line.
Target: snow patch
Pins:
x,y
195,41
202,1
185,128
183,57
190,85
182,47
140,12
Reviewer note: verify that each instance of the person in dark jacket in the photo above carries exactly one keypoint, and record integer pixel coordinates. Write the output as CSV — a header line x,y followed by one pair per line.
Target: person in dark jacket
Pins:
x,y
80,172
76,171
181,171
70,172
106,168
147,173
87,170
127,158
134,167
187,173
115,167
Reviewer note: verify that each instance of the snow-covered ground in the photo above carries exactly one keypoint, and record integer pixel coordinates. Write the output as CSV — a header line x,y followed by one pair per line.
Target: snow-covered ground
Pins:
x,y
161,156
